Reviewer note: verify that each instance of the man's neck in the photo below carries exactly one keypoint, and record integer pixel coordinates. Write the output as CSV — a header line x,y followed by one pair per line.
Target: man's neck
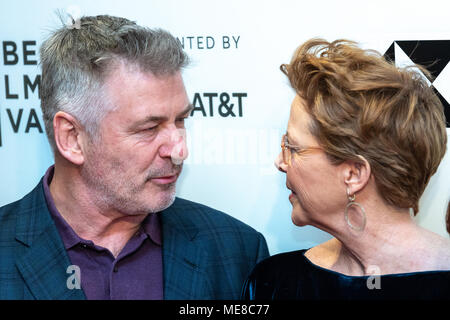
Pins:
x,y
77,205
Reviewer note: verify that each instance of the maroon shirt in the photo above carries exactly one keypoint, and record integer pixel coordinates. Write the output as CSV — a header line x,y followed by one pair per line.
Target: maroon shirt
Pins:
x,y
136,273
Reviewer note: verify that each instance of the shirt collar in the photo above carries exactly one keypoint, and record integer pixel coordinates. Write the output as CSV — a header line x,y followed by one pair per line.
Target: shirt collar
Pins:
x,y
152,227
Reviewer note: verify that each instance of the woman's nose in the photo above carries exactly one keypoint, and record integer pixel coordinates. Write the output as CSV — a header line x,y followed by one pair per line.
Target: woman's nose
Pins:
x,y
279,163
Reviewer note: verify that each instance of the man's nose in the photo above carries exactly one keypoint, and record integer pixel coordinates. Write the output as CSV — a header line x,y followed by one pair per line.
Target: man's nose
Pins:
x,y
279,163
174,145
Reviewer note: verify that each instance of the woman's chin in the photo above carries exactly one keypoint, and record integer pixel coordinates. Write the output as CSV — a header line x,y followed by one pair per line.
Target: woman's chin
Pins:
x,y
297,220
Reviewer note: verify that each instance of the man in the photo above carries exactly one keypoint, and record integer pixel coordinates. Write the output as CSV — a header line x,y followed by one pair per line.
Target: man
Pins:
x,y
104,223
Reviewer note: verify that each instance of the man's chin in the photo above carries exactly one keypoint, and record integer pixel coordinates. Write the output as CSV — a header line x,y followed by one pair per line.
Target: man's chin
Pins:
x,y
167,204
162,200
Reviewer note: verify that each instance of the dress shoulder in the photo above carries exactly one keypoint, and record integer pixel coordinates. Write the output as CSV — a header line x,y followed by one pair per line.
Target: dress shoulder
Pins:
x,y
273,273
292,276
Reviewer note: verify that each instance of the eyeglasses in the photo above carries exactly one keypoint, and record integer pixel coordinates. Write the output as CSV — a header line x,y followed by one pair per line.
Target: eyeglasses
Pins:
x,y
287,150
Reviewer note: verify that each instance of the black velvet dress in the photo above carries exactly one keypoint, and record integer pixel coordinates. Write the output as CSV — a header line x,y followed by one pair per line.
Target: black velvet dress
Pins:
x,y
292,276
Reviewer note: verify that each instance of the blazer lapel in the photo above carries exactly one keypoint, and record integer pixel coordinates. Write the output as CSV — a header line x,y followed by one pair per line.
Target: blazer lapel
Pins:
x,y
184,260
43,268
43,261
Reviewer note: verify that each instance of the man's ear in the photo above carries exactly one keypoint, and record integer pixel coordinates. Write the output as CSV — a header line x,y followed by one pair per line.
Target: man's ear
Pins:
x,y
68,137
356,174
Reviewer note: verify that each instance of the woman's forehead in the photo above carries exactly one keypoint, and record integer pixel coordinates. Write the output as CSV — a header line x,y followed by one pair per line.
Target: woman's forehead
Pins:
x,y
299,122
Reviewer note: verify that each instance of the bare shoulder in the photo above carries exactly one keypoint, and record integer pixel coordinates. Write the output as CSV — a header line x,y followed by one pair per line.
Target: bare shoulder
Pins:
x,y
443,254
325,254
437,250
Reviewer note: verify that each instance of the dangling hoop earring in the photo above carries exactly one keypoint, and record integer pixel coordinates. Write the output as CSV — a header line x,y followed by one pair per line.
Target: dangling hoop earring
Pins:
x,y
351,202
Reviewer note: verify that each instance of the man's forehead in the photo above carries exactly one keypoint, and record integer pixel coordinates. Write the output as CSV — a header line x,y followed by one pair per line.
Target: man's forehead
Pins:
x,y
130,84
141,97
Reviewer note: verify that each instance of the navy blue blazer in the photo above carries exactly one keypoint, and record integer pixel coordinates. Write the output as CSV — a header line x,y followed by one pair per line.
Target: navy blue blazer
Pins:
x,y
207,254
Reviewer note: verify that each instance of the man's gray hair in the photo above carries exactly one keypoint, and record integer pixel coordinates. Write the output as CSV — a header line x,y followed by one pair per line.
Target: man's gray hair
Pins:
x,y
77,59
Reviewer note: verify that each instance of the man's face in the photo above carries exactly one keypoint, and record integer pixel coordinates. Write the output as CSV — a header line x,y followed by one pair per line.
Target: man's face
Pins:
x,y
132,166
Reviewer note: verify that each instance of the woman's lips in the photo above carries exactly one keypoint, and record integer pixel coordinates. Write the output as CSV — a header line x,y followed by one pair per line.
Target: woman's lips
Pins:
x,y
292,195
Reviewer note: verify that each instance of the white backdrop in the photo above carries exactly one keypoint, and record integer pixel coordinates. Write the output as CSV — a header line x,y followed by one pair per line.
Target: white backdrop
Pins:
x,y
236,48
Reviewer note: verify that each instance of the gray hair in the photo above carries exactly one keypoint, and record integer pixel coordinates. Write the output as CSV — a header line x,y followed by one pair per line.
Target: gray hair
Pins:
x,y
77,59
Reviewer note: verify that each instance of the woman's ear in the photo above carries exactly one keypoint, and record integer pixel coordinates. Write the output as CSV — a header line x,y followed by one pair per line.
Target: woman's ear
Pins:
x,y
68,138
356,174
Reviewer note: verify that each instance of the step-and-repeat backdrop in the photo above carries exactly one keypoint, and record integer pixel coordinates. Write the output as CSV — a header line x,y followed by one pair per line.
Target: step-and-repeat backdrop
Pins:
x,y
241,98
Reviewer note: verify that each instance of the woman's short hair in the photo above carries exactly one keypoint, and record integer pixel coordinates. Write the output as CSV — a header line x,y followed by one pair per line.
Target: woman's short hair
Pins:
x,y
362,104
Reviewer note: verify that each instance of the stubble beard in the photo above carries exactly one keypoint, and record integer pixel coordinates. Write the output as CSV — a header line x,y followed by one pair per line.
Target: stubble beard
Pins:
x,y
111,189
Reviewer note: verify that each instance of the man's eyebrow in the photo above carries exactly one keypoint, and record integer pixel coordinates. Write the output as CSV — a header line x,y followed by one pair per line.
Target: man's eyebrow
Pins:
x,y
185,112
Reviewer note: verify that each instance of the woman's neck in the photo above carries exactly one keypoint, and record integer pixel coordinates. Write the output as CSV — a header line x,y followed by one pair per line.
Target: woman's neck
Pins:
x,y
391,242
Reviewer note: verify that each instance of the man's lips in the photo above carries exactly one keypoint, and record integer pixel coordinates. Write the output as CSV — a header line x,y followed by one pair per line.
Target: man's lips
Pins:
x,y
165,179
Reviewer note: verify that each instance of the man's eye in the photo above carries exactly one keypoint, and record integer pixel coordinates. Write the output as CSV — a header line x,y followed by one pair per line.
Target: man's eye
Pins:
x,y
180,121
151,128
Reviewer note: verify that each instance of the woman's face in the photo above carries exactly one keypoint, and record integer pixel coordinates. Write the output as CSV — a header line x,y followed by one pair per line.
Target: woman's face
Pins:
x,y
318,189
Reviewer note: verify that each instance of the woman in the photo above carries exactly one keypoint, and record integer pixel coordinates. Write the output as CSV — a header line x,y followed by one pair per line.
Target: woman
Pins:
x,y
362,141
